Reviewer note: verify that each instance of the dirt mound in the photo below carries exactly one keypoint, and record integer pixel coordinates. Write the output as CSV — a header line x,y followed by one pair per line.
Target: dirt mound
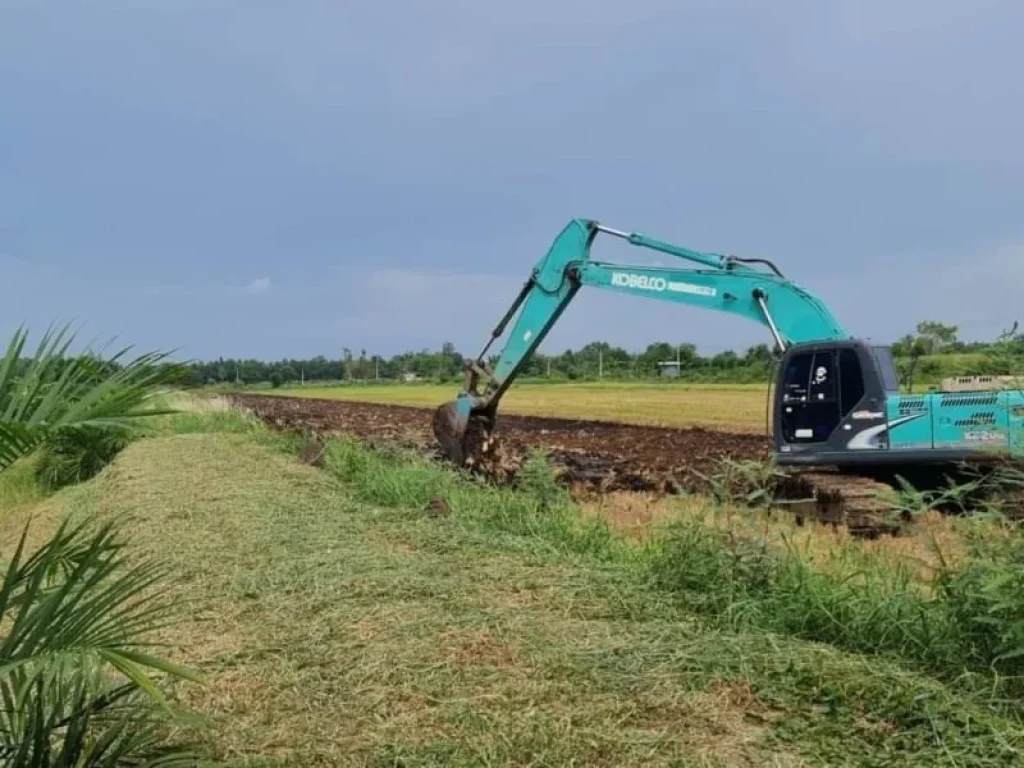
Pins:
x,y
595,454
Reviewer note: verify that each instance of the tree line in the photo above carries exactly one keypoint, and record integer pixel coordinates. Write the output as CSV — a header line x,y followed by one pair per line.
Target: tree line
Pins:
x,y
933,350
594,360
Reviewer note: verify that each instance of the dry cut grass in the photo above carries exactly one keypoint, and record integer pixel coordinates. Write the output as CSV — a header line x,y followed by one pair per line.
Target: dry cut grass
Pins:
x,y
335,632
331,638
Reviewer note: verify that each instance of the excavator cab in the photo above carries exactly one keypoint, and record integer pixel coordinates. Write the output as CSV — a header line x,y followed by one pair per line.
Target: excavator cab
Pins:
x,y
838,403
830,398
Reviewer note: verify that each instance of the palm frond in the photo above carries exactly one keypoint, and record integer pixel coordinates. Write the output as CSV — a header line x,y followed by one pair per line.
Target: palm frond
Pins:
x,y
53,390
101,606
76,687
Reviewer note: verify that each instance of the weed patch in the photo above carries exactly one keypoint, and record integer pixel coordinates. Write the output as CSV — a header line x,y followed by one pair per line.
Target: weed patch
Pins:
x,y
968,620
536,515
984,601
961,620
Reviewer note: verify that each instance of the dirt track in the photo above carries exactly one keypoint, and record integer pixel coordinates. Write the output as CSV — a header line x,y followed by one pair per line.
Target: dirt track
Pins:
x,y
605,455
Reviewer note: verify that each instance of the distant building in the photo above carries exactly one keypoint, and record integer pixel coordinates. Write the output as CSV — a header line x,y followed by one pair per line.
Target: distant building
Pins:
x,y
669,370
981,383
409,377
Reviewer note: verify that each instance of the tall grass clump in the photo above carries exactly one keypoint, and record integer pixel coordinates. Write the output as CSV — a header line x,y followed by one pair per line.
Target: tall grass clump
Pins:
x,y
189,413
19,486
984,600
537,479
536,514
970,618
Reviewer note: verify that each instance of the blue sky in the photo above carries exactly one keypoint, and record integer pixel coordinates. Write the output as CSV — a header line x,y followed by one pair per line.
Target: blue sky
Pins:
x,y
287,179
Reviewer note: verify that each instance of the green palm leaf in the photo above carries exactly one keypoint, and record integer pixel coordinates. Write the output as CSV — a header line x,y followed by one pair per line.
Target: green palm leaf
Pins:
x,y
52,390
74,679
76,685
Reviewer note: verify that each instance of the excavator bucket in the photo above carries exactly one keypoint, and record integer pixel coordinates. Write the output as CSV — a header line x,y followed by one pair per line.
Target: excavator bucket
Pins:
x,y
461,432
450,431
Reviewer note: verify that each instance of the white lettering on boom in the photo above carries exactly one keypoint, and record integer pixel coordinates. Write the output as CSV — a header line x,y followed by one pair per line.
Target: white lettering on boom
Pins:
x,y
658,284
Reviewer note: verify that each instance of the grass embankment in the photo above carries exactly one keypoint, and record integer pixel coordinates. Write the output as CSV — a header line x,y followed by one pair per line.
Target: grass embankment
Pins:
x,y
739,407
341,623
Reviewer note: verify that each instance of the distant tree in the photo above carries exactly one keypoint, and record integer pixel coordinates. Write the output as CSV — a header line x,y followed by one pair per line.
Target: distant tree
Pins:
x,y
908,352
759,354
658,352
445,363
449,363
688,357
936,336
725,360
286,372
1006,355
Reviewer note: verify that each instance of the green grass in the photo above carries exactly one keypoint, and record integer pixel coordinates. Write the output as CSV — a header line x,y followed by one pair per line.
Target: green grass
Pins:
x,y
339,622
19,486
960,621
670,404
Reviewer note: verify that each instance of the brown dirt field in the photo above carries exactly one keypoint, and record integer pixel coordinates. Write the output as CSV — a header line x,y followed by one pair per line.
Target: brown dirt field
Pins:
x,y
598,455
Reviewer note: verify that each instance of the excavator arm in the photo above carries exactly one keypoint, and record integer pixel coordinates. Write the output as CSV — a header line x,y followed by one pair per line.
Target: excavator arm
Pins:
x,y
751,288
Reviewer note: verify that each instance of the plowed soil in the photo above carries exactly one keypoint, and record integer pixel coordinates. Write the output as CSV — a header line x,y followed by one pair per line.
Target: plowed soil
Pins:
x,y
592,454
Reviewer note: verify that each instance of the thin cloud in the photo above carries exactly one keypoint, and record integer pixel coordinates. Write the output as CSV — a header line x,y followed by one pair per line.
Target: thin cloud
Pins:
x,y
257,286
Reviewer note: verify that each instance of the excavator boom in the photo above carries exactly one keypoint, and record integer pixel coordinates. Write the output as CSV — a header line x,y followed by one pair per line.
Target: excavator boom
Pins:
x,y
751,288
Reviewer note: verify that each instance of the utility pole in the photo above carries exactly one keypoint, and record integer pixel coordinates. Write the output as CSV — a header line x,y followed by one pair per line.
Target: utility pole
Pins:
x,y
600,363
376,371
549,367
302,377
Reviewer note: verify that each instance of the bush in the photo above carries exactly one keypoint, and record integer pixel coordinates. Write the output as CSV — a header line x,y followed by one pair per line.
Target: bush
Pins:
x,y
73,455
47,396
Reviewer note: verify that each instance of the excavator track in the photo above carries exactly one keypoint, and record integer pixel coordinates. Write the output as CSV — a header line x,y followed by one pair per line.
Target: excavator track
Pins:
x,y
835,497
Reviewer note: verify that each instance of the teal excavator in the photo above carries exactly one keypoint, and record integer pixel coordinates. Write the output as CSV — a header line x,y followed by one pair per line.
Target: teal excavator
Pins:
x,y
837,403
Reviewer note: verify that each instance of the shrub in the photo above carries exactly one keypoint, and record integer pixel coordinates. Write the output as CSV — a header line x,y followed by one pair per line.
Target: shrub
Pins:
x,y
74,455
52,392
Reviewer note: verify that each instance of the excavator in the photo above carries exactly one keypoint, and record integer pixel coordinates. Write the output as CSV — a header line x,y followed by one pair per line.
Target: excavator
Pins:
x,y
841,427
